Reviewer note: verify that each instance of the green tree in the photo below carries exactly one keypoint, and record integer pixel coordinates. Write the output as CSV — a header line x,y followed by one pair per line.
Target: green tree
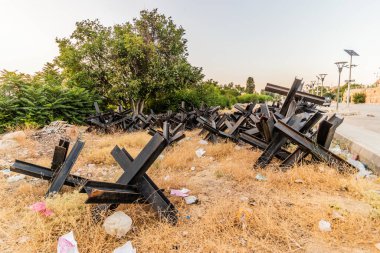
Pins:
x,y
250,85
134,61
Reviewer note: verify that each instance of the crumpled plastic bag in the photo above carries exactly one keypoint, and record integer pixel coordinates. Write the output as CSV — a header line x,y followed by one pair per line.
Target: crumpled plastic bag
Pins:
x,y
41,208
67,244
324,226
200,152
180,193
126,248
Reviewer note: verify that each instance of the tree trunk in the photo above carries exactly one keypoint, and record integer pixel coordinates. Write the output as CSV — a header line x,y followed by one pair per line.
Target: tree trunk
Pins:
x,y
133,106
141,106
137,106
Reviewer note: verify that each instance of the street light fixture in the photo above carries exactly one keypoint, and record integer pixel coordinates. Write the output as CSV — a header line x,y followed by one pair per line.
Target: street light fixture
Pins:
x,y
312,85
322,76
318,78
340,65
351,53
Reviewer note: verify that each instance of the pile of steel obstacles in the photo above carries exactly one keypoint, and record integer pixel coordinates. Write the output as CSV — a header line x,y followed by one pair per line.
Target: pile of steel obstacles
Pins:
x,y
270,128
274,128
119,120
125,120
133,186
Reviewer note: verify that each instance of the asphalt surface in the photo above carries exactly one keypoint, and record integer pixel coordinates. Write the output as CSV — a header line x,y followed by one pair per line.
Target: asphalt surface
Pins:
x,y
361,126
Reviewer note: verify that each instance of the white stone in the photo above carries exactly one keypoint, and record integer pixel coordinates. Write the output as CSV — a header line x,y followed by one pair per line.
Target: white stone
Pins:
x,y
192,168
118,224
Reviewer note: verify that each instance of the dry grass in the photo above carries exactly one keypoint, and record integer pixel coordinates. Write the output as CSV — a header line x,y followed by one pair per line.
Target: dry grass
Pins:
x,y
236,212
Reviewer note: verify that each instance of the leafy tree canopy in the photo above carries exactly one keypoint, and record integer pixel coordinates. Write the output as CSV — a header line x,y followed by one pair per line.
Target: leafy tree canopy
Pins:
x,y
136,60
250,85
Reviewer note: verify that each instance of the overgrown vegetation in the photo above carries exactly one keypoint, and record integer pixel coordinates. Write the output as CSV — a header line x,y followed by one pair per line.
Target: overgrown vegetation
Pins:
x,y
359,98
38,100
141,64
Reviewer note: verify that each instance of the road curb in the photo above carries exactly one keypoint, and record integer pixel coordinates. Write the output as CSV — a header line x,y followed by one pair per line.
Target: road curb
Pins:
x,y
368,157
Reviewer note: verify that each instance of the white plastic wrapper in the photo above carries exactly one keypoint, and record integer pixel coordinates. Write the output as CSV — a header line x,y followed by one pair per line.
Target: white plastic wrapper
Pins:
x,y
126,248
200,152
67,244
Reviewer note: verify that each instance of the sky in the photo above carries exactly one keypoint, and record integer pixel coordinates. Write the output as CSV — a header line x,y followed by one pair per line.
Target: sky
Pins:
x,y
272,40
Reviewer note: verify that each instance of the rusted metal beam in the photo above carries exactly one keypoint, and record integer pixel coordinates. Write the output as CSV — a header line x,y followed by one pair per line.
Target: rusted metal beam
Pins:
x,y
314,148
298,95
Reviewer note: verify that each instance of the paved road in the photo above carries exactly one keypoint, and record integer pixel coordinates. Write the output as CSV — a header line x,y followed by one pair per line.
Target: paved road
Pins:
x,y
361,126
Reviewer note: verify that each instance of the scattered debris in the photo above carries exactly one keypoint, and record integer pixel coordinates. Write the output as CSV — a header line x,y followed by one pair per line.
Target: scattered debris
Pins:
x,y
23,239
14,135
244,199
118,224
126,248
6,172
191,200
41,208
324,226
15,178
166,178
203,142
200,152
67,244
192,168
363,172
8,144
337,215
243,215
60,128
180,193
299,181
260,177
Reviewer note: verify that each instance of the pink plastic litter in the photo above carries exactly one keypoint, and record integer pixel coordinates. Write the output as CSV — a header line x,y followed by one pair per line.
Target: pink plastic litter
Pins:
x,y
180,193
41,208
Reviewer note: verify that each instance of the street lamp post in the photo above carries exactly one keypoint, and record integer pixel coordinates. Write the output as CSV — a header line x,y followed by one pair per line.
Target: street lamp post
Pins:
x,y
312,85
318,78
351,53
322,76
340,65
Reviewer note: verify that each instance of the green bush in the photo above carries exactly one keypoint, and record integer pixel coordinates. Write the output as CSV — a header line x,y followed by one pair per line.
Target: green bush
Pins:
x,y
359,98
253,98
208,93
40,104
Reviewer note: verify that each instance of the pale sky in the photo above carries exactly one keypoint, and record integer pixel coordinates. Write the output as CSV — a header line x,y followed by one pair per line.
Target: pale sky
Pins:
x,y
273,41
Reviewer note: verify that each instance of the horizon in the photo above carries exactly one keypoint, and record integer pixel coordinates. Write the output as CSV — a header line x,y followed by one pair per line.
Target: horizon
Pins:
x,y
273,42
